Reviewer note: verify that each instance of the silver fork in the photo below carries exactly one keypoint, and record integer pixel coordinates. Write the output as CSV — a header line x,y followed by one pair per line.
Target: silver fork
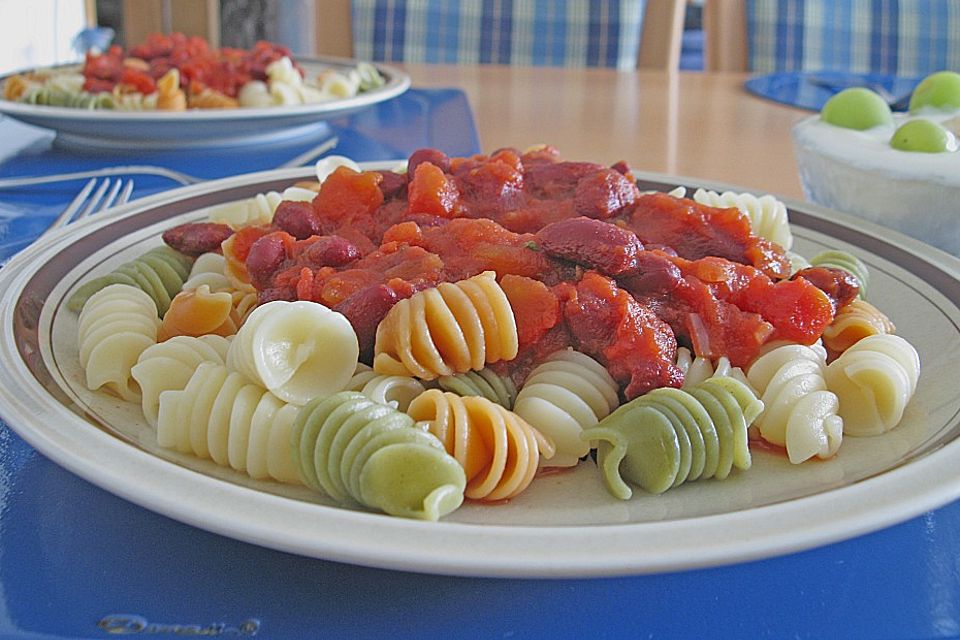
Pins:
x,y
93,199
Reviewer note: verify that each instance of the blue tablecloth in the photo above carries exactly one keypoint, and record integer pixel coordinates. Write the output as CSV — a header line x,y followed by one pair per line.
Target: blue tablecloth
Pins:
x,y
76,560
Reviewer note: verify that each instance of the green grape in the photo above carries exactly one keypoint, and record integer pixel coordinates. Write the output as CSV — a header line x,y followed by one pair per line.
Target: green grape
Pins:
x,y
940,90
923,136
856,108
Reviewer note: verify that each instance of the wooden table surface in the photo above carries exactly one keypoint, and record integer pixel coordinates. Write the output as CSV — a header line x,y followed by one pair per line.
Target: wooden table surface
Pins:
x,y
697,125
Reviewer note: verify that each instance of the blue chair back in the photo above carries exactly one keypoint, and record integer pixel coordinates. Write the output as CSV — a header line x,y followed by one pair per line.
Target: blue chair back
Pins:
x,y
898,37
572,33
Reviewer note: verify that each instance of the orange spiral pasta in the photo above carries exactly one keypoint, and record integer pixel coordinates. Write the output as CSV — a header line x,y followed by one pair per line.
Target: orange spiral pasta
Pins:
x,y
211,99
170,97
498,451
853,322
452,328
199,312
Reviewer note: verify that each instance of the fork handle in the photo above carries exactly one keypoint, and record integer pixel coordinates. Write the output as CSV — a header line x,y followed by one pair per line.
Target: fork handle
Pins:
x,y
182,178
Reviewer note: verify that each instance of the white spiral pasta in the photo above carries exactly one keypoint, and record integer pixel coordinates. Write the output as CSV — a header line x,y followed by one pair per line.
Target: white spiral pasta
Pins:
x,y
697,369
800,412
565,394
875,380
768,216
285,86
224,416
135,101
296,350
255,94
168,365
208,269
393,391
116,325
257,210
328,164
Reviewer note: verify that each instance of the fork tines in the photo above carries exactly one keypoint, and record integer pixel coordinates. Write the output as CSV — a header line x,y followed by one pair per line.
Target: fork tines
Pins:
x,y
92,199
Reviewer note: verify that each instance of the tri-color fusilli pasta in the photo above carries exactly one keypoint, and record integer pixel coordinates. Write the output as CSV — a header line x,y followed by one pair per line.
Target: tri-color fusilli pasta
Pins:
x,y
211,269
355,449
296,350
168,366
454,327
223,415
486,383
256,210
394,391
498,450
800,411
874,380
696,369
565,394
670,436
852,323
116,325
160,272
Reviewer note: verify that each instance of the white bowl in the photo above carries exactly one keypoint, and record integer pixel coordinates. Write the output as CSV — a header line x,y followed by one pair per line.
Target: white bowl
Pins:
x,y
859,173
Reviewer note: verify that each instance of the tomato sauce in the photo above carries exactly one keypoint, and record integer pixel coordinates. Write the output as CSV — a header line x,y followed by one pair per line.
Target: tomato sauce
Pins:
x,y
585,259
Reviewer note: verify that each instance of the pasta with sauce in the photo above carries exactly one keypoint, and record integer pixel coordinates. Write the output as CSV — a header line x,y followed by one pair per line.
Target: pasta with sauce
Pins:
x,y
583,311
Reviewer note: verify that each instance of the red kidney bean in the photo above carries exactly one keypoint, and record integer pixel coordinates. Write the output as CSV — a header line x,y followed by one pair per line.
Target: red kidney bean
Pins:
x,y
196,238
392,183
433,156
267,255
365,309
654,275
298,219
329,251
603,194
598,245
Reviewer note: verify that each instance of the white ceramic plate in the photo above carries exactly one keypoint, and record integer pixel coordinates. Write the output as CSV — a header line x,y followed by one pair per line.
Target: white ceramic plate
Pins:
x,y
565,524
203,127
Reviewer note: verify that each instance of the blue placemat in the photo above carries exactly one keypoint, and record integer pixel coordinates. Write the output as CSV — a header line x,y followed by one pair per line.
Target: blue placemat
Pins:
x,y
810,90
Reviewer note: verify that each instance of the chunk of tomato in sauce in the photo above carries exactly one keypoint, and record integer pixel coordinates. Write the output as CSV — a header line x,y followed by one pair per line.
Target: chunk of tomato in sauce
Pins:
x,y
433,192
535,307
470,246
347,196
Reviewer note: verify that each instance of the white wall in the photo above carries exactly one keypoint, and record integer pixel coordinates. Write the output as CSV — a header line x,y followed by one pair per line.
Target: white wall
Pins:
x,y
38,32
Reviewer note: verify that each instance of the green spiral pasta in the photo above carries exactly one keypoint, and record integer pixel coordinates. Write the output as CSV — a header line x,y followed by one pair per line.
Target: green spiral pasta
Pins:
x,y
669,436
58,97
850,263
355,449
485,383
160,273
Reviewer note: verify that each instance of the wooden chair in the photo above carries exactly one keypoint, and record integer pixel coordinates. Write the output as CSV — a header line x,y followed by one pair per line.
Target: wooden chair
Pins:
x,y
911,38
656,47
